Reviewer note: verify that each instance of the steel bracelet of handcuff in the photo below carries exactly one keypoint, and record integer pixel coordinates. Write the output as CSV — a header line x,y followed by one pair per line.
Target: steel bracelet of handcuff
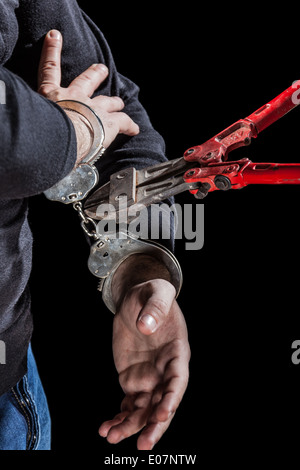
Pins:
x,y
108,251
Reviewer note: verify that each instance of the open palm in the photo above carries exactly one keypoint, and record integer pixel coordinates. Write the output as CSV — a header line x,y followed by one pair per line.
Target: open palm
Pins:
x,y
153,368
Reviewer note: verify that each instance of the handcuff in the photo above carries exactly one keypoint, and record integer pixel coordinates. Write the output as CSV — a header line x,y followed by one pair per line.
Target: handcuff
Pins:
x,y
108,251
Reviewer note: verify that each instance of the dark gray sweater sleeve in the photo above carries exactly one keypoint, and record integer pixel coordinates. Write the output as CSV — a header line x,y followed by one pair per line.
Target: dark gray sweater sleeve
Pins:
x,y
37,140
83,45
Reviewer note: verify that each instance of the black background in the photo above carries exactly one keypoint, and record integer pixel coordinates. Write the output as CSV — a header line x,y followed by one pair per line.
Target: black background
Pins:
x,y
199,69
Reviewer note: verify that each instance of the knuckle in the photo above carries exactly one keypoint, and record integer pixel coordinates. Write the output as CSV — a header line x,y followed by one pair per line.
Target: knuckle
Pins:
x,y
111,123
49,65
125,382
86,76
115,101
124,121
118,100
160,306
46,89
142,400
124,117
102,100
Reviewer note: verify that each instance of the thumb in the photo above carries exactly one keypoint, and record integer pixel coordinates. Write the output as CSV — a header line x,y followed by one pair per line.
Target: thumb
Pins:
x,y
157,307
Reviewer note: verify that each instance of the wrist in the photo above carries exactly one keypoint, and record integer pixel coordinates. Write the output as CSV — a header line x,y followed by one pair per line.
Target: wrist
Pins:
x,y
136,269
84,133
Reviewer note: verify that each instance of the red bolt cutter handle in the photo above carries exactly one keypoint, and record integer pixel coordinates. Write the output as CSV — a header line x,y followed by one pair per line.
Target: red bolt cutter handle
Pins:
x,y
271,173
275,109
212,154
238,174
211,171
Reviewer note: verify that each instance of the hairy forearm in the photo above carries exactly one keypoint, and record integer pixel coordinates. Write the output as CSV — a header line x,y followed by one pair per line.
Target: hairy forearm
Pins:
x,y
84,134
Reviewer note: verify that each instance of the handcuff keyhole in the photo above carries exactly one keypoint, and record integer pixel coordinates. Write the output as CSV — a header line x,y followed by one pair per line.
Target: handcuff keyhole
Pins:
x,y
105,255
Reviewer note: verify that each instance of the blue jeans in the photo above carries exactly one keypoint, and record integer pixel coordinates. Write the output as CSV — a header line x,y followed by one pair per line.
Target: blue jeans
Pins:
x,y
24,415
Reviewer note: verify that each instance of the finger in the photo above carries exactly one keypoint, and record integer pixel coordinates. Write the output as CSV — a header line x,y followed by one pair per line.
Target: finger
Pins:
x,y
49,74
107,425
118,123
126,125
89,80
176,379
170,400
108,103
157,307
132,424
151,435
127,403
133,419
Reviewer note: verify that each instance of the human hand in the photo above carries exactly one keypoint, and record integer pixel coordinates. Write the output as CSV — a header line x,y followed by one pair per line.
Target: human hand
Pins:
x,y
151,354
108,108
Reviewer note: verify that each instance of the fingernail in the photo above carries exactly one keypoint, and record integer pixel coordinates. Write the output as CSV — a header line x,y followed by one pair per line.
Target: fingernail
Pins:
x,y
101,67
148,321
54,34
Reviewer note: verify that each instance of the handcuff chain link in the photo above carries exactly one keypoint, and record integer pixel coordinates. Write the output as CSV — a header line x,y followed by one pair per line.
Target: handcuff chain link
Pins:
x,y
86,221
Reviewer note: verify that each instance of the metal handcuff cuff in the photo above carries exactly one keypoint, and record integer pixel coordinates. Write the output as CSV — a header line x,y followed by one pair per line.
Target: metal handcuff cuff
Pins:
x,y
107,252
